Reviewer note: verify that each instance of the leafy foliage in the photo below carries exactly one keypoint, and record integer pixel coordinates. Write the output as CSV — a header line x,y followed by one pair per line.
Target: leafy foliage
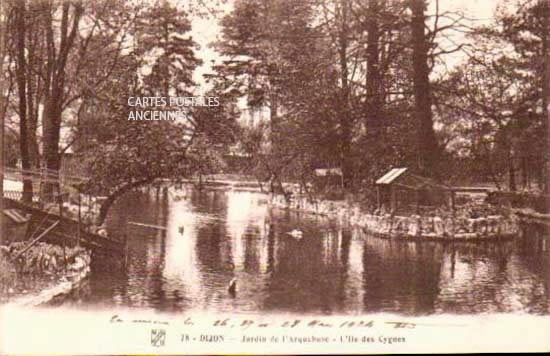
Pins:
x,y
496,99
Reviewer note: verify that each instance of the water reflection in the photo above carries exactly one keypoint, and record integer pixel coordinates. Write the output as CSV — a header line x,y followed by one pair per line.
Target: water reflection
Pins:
x,y
492,278
212,237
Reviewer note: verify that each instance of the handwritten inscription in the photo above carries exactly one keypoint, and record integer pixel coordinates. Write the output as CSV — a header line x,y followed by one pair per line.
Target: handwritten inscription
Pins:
x,y
117,319
247,323
401,325
289,324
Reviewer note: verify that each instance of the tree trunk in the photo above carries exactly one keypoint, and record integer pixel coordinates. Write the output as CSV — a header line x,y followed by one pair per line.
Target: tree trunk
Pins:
x,y
512,178
33,103
34,152
35,82
345,112
427,144
51,131
274,123
20,71
347,174
546,89
3,107
525,173
55,86
374,83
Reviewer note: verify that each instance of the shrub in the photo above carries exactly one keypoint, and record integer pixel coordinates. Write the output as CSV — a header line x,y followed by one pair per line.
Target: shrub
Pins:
x,y
8,274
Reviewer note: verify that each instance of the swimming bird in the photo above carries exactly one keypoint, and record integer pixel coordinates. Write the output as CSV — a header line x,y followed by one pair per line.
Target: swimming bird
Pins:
x,y
232,288
297,234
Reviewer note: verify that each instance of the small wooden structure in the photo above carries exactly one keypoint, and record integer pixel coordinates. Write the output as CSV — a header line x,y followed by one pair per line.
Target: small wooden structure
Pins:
x,y
15,225
329,177
57,229
45,215
400,190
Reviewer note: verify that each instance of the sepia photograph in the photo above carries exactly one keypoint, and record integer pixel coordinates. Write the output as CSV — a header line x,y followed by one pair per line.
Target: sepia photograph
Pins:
x,y
274,176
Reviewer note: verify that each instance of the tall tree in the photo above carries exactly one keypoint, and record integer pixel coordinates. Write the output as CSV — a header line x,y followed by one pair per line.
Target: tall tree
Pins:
x,y
266,47
20,27
65,52
346,118
164,42
545,10
374,101
3,107
60,43
249,42
510,59
428,149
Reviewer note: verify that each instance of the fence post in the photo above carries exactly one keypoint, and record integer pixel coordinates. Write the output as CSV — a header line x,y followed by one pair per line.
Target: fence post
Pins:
x,y
62,237
79,218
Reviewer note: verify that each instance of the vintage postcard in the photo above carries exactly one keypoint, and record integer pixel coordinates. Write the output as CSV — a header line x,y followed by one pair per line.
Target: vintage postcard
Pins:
x,y
274,176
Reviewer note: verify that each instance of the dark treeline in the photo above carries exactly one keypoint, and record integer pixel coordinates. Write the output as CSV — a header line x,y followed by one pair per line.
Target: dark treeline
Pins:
x,y
359,85
362,85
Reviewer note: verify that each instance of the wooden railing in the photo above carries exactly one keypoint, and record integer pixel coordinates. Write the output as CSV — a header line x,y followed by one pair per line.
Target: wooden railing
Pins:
x,y
18,195
68,232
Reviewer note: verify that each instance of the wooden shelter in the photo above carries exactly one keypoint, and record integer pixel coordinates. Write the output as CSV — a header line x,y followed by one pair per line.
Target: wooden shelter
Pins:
x,y
328,177
400,190
15,225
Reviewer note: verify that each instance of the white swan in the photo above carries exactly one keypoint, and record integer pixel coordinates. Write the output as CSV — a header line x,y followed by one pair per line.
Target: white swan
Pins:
x,y
297,234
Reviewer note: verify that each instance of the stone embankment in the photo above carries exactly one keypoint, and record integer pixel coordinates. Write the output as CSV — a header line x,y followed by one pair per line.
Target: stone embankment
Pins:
x,y
50,272
444,227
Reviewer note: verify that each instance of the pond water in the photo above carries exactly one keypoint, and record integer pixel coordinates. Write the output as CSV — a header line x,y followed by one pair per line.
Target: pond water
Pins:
x,y
214,236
